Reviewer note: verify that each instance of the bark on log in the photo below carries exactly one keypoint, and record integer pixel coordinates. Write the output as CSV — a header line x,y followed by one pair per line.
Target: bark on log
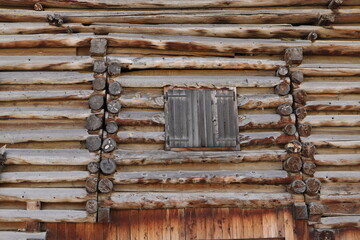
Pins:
x,y
160,157
44,95
16,215
333,105
338,176
332,120
44,194
47,177
313,186
325,87
337,159
43,113
38,63
293,164
196,81
334,141
52,135
211,177
45,77
185,200
68,157
259,101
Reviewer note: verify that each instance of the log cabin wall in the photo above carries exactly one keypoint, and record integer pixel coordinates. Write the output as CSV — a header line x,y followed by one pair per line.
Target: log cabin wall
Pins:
x,y
82,89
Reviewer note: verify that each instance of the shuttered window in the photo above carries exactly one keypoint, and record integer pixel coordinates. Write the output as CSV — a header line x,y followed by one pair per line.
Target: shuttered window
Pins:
x,y
201,118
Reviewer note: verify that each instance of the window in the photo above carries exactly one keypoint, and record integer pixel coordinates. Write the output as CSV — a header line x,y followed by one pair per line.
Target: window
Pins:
x,y
201,118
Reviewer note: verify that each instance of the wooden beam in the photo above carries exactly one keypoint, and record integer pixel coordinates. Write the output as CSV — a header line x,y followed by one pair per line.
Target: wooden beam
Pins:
x,y
52,176
338,176
259,101
152,200
41,135
337,141
351,105
5,235
12,215
332,120
45,194
337,159
45,78
338,222
44,95
274,121
331,70
325,87
161,157
43,113
211,177
142,100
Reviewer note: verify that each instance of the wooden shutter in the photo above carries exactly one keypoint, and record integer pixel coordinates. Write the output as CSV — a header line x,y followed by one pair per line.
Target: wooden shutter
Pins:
x,y
201,118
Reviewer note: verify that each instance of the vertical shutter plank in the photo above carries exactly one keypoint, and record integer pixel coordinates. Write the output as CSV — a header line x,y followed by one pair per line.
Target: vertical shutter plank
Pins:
x,y
208,116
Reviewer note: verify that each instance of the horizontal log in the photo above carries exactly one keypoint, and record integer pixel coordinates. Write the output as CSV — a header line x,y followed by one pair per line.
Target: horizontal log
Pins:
x,y
251,121
189,200
49,63
338,176
205,30
343,209
161,157
274,16
196,81
246,139
332,120
16,215
351,105
139,118
45,78
21,136
350,198
63,176
158,4
142,100
49,157
259,101
337,159
45,194
43,112
331,70
211,177
339,222
5,235
337,141
8,96
339,189
328,87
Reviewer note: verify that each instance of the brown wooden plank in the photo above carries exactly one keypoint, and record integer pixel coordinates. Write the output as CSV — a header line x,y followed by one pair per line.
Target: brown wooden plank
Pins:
x,y
98,231
61,231
226,224
159,223
208,215
80,231
51,231
190,224
89,231
152,224
134,222
256,215
301,229
71,231
289,225
280,221
201,228
123,225
218,231
248,224
270,223
233,215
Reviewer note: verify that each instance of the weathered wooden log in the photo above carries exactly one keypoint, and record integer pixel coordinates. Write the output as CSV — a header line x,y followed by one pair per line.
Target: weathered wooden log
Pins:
x,y
103,215
331,70
105,185
52,135
111,127
265,121
115,88
98,46
282,89
17,215
293,146
337,159
289,129
338,176
211,177
114,106
93,122
91,206
340,198
351,105
142,100
91,184
313,186
297,77
325,87
107,166
108,145
339,222
196,81
93,167
32,226
284,109
4,235
335,4
337,141
343,209
139,118
43,113
312,36
297,186
53,176
96,102
300,96
54,63
56,19
114,68
293,55
16,156
264,138
326,19
293,164
99,66
316,210
93,143
339,189
44,194
309,168
45,77
253,101
38,7
139,137
324,234
304,129
141,4
99,83
161,157
301,112
332,120
282,71
152,200
301,211
44,95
